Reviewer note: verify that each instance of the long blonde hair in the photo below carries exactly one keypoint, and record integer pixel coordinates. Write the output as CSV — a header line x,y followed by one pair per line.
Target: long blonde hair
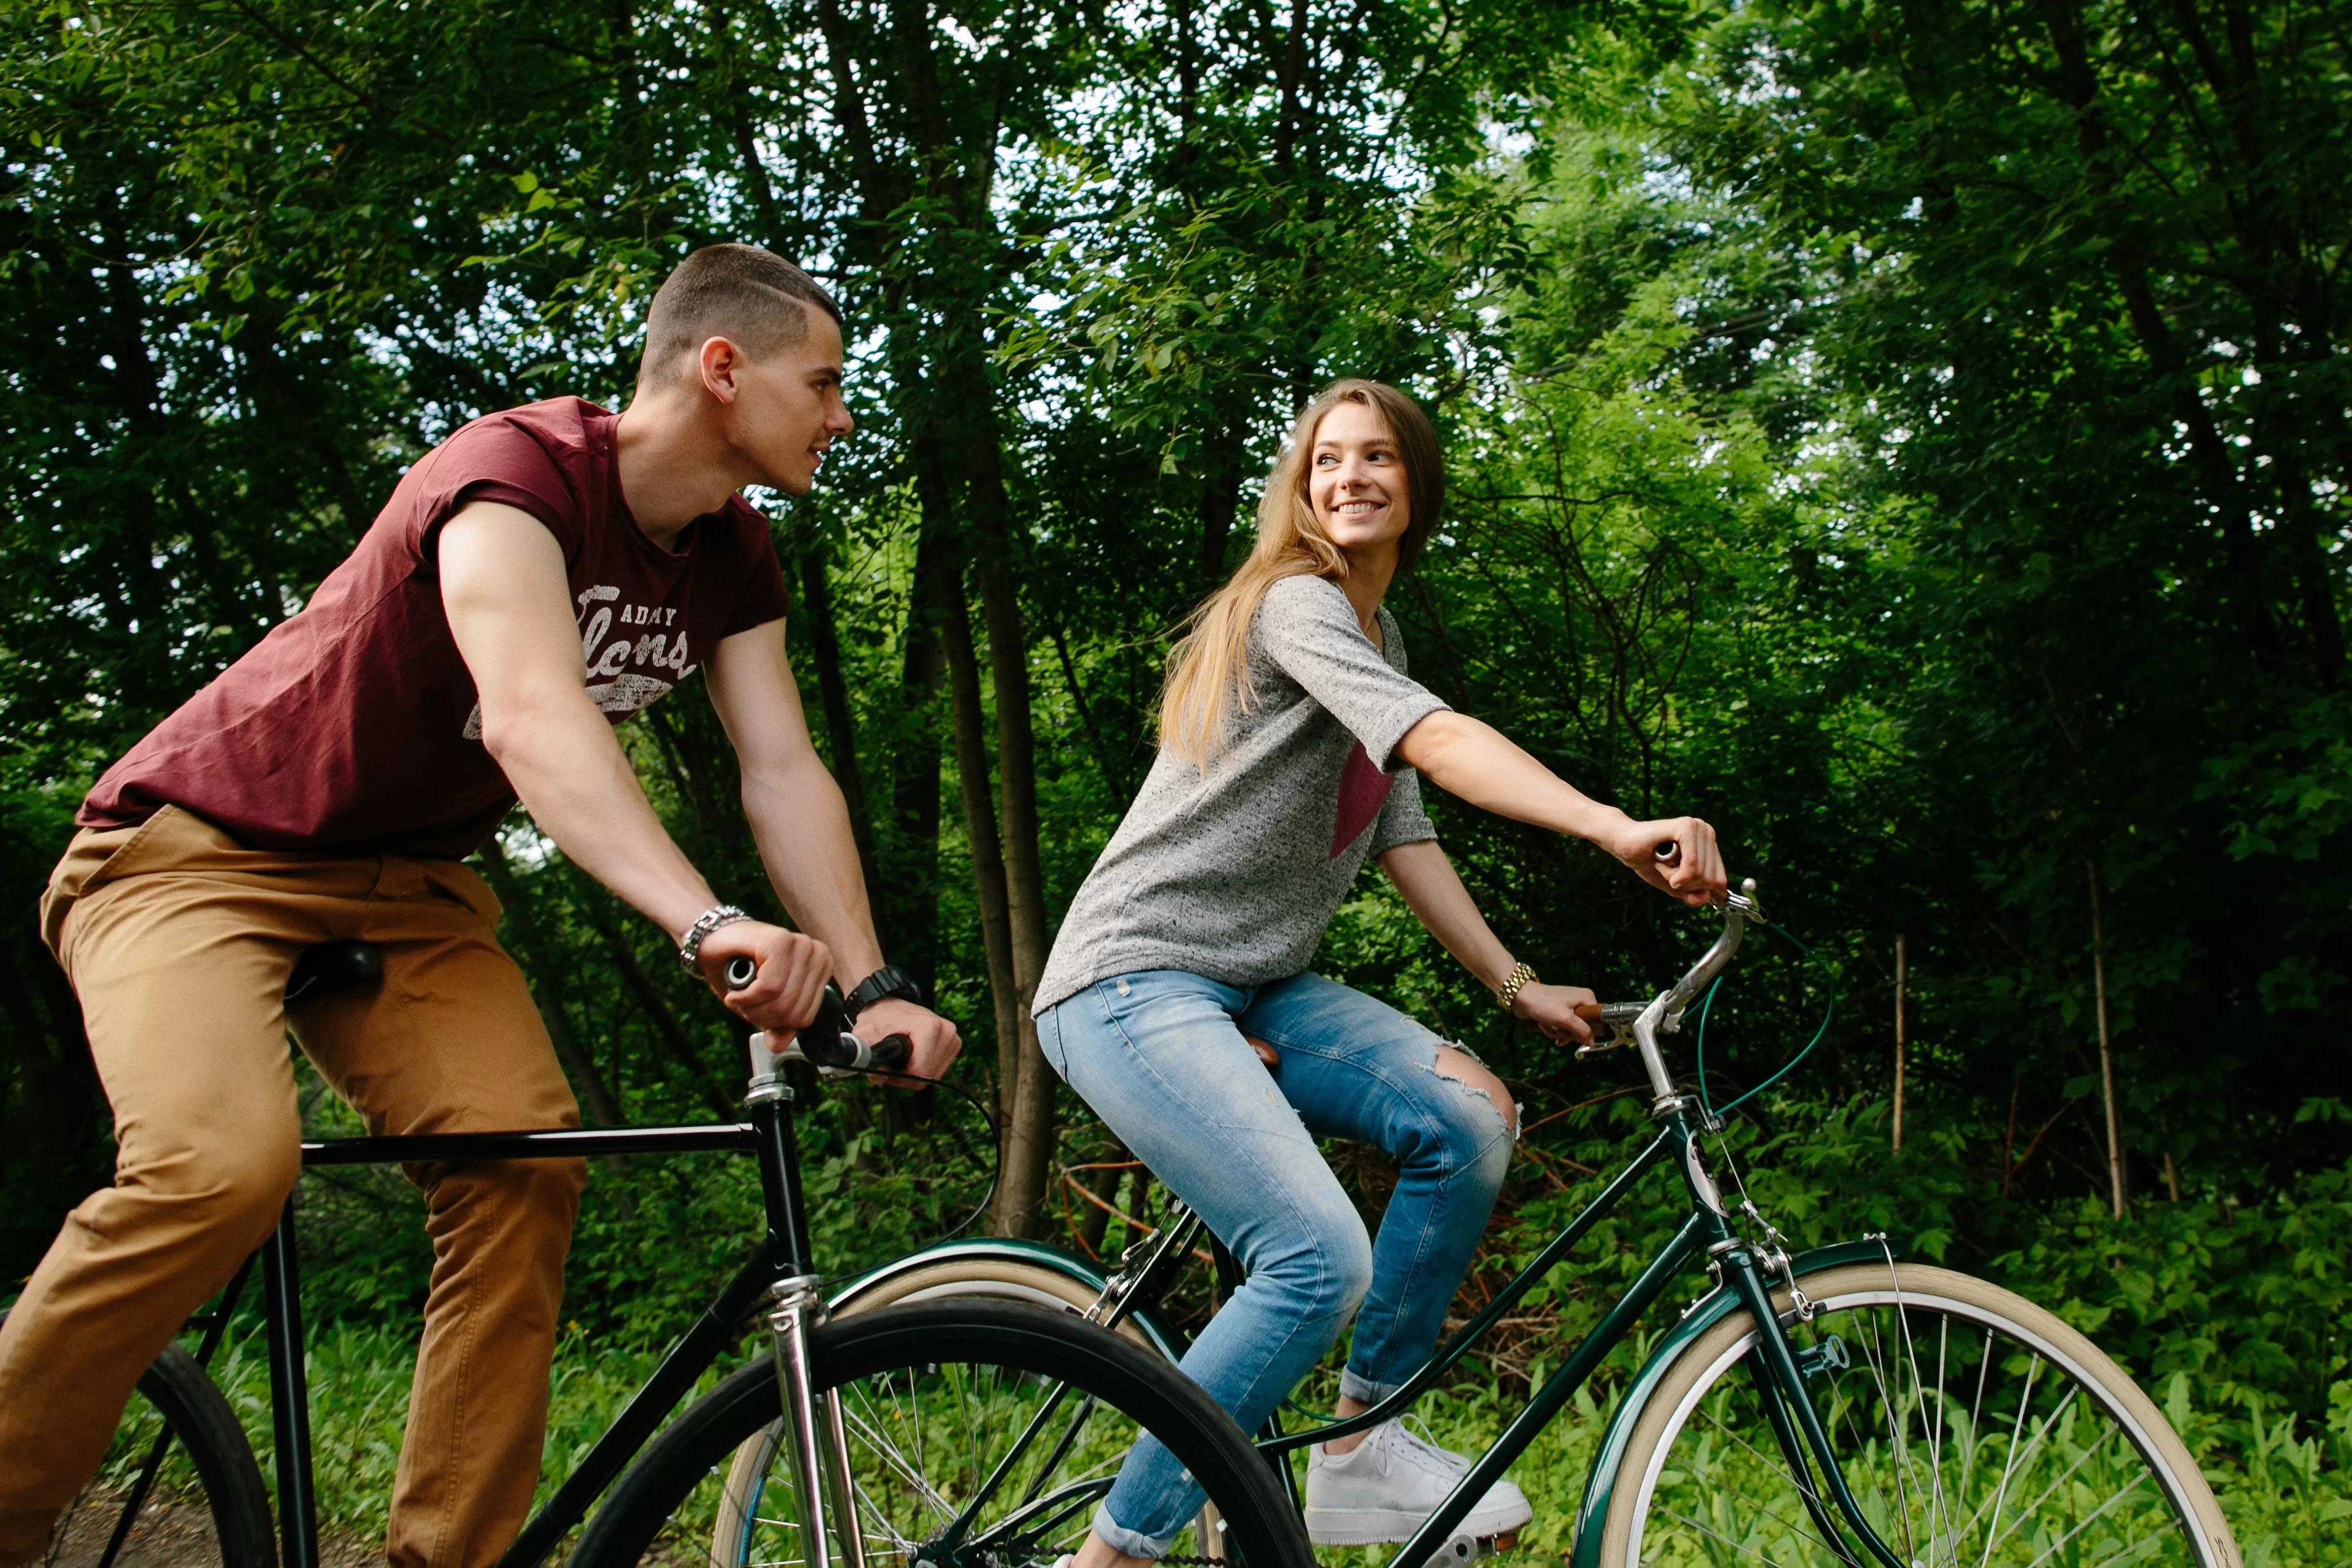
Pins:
x,y
1209,664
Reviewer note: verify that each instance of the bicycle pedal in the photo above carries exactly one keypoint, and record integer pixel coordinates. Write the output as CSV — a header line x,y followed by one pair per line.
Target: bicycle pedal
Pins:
x,y
1467,1549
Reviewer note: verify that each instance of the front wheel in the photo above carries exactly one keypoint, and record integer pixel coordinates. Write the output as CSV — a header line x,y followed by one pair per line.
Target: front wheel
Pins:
x,y
1975,1430
942,1402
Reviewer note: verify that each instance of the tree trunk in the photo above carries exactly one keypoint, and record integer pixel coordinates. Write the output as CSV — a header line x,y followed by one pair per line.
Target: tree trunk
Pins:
x,y
840,726
1899,1064
2106,1054
978,823
912,893
1221,492
1029,1144
1106,763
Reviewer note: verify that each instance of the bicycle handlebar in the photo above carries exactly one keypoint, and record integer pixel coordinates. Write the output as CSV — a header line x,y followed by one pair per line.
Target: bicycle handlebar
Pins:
x,y
827,1040
1664,1012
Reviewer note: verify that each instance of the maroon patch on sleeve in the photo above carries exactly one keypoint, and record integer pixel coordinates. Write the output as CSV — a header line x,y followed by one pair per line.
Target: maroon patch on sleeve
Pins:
x,y
1363,790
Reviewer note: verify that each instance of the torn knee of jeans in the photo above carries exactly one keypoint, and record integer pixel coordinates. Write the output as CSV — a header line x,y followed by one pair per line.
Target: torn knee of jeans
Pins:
x,y
1451,1070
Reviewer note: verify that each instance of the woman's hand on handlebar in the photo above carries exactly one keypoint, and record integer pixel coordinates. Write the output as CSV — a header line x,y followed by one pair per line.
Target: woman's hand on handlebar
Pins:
x,y
934,1041
1675,855
792,968
1553,1011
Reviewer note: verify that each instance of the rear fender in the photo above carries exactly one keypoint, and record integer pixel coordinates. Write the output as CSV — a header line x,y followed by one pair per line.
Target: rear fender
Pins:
x,y
1697,1318
981,1251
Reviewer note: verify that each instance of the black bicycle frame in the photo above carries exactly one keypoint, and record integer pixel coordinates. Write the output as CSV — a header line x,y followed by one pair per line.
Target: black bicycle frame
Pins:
x,y
785,1254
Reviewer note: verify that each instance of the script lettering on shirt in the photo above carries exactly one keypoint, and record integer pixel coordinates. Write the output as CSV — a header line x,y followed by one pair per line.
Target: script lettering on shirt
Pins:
x,y
629,665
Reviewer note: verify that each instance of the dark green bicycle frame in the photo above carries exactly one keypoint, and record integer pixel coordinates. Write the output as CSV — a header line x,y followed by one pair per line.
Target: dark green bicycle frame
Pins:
x,y
1743,1282
1706,1234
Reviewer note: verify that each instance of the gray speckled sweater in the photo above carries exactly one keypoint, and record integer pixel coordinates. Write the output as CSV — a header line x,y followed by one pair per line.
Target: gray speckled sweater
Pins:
x,y
1233,875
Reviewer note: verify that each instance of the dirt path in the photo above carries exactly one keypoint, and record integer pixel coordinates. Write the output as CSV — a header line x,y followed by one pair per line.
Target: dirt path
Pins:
x,y
171,1533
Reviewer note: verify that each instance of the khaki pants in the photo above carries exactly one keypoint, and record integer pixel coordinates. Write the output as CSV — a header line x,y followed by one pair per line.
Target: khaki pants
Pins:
x,y
178,941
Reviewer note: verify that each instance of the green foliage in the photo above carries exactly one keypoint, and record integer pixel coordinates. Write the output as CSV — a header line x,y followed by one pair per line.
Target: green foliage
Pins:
x,y
1912,436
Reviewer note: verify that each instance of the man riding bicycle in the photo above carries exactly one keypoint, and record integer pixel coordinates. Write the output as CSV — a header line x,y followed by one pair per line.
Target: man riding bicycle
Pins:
x,y
542,574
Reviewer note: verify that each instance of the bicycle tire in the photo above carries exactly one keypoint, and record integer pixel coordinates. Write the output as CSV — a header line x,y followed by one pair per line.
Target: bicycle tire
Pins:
x,y
1009,1352
178,1397
969,1278
1702,1479
991,1278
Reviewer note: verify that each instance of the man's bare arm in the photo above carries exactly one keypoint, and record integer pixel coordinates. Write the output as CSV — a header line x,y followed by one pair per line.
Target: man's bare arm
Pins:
x,y
797,814
505,592
802,826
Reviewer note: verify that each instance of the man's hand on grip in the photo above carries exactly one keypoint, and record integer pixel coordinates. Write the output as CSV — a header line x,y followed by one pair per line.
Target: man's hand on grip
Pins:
x,y
793,970
934,1039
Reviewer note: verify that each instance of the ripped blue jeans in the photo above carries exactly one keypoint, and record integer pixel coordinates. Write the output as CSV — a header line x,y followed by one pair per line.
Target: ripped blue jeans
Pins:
x,y
1159,1056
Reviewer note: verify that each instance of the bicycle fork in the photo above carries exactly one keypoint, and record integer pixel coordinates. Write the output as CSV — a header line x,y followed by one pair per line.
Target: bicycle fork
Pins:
x,y
824,1497
1788,1410
1780,1383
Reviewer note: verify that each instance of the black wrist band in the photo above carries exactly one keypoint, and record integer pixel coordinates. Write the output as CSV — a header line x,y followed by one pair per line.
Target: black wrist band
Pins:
x,y
889,980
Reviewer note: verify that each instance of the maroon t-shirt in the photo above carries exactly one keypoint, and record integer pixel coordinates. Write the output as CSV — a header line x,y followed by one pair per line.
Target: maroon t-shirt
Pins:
x,y
354,725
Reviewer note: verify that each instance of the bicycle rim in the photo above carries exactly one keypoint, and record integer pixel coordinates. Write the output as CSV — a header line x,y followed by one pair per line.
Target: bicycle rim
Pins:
x,y
937,1400
1975,1429
754,1466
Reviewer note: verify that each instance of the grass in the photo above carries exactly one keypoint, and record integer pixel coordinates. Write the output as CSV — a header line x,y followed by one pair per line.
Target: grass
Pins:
x,y
2285,1484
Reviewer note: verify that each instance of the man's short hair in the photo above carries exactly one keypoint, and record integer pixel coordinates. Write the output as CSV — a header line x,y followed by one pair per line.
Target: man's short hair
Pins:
x,y
753,298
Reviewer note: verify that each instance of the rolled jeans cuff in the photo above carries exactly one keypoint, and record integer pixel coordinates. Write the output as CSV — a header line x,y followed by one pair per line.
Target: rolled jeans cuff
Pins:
x,y
1363,1390
1119,1538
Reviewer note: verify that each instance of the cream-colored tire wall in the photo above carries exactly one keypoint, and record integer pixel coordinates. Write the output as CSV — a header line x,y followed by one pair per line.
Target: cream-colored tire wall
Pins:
x,y
1719,1350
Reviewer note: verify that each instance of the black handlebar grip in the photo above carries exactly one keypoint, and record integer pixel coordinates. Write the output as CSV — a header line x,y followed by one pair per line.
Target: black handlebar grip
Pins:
x,y
890,1053
742,972
821,1040
1667,849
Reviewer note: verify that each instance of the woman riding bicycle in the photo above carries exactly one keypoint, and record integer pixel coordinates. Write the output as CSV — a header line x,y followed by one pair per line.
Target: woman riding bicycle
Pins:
x,y
1177,1002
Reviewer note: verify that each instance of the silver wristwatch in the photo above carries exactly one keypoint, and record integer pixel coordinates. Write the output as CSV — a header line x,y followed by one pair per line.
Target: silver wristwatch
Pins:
x,y
709,920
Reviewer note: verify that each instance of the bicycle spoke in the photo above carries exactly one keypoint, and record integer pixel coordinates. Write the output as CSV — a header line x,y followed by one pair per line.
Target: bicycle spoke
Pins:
x,y
2031,1508
2100,1513
1716,1535
1803,1489
915,1478
1936,1518
1976,1414
1943,1520
1897,1449
2024,1401
2032,1449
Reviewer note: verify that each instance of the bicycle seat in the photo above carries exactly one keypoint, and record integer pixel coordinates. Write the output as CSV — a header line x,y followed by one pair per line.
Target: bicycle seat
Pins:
x,y
331,966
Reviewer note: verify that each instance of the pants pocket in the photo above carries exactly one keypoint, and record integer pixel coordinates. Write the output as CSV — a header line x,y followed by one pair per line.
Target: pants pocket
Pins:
x,y
95,857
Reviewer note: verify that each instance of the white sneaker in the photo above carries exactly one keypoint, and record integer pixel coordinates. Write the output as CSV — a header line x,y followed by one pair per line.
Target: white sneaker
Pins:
x,y
1383,1487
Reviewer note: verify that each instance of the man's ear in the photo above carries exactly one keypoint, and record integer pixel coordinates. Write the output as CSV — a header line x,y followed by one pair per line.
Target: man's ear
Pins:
x,y
717,365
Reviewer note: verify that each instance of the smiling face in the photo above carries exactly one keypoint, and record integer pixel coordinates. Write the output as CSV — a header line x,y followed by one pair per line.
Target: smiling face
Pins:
x,y
787,408
1356,482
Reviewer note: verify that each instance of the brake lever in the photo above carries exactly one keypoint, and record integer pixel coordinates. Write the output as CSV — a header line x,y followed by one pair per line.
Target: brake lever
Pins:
x,y
1620,1035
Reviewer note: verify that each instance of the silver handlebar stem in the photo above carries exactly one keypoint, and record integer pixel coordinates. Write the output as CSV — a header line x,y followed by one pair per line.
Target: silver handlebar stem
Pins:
x,y
1664,1013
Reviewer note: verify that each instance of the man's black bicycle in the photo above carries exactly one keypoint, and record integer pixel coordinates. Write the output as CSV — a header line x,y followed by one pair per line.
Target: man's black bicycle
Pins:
x,y
965,1429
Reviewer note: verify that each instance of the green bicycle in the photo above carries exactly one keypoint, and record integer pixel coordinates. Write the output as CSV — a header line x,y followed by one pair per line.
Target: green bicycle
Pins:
x,y
1835,1407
